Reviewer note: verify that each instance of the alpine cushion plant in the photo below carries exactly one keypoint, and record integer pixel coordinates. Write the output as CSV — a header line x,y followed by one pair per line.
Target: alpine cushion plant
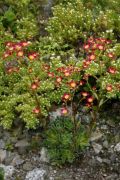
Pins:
x,y
101,71
29,86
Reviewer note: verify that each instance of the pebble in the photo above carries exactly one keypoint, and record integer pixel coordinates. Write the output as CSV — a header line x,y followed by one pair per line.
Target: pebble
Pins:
x,y
44,155
2,144
117,147
3,155
99,159
97,148
95,136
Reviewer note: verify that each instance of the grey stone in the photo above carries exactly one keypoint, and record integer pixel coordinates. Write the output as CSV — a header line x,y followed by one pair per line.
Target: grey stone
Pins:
x,y
8,170
97,147
106,161
22,146
17,161
104,127
113,157
95,136
22,143
117,147
3,154
44,155
99,159
2,144
105,144
9,157
6,136
36,174
111,123
27,166
112,177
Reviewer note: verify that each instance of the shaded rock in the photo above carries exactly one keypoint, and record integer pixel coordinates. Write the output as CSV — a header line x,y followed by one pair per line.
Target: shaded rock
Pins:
x,y
97,148
2,144
8,171
3,154
22,146
44,155
117,147
36,174
95,136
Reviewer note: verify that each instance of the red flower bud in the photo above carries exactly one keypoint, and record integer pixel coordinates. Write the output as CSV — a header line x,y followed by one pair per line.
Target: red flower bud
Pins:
x,y
36,110
85,94
66,96
20,53
90,99
50,74
59,79
109,87
72,84
112,70
34,86
64,111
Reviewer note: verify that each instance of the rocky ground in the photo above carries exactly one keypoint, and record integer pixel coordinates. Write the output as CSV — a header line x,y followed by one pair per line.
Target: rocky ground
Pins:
x,y
101,161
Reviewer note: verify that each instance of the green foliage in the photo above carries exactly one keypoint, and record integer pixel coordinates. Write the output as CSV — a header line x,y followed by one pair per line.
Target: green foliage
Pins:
x,y
1,174
62,143
76,21
19,19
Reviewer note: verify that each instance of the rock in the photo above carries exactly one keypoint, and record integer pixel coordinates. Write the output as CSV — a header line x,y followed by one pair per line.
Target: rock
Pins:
x,y
117,147
97,148
113,157
8,171
95,136
104,127
3,154
111,123
44,155
112,177
6,136
117,138
10,156
2,144
36,174
106,161
27,166
99,159
22,143
17,161
105,144
22,146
